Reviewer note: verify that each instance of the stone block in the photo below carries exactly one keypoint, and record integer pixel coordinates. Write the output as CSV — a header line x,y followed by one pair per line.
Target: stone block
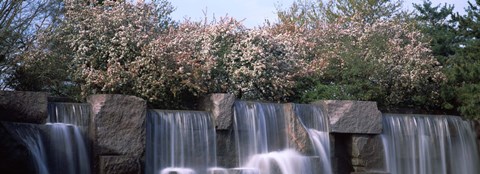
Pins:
x,y
367,153
118,124
476,127
221,107
119,165
352,116
22,106
117,132
226,149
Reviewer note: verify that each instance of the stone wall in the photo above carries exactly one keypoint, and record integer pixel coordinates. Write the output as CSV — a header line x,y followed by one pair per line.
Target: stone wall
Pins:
x,y
354,125
118,133
23,106
476,126
355,128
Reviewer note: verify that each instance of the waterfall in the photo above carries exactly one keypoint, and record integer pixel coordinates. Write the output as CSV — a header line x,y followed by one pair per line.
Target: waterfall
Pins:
x,y
59,146
259,129
180,142
30,136
317,123
262,144
76,114
419,144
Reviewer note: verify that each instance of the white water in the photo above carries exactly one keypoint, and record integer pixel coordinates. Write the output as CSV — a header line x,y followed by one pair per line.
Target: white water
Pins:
x,y
259,129
286,161
32,139
177,171
317,123
68,152
180,141
59,146
419,144
262,144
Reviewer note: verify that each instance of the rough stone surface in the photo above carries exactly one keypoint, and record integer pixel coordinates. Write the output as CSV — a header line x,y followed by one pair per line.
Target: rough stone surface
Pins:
x,y
221,107
226,149
352,116
476,126
341,156
367,153
298,137
119,165
119,124
25,107
118,128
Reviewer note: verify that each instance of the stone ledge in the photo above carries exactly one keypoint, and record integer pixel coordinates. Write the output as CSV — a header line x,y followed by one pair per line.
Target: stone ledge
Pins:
x,y
118,124
23,106
347,116
221,107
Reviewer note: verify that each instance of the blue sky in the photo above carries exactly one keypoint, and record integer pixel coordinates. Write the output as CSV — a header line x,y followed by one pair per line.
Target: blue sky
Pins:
x,y
254,12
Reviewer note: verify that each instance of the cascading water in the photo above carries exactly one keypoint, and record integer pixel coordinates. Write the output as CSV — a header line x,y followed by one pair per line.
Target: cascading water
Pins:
x,y
317,123
59,146
262,144
259,129
32,138
419,144
69,113
180,142
67,148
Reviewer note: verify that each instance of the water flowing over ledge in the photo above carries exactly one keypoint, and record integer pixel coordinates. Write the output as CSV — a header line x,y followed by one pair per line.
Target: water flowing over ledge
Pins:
x,y
259,138
59,146
421,144
263,132
180,141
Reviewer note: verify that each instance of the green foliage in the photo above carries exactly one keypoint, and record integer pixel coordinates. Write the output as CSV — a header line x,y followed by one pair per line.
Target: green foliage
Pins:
x,y
436,23
314,12
370,51
20,24
463,69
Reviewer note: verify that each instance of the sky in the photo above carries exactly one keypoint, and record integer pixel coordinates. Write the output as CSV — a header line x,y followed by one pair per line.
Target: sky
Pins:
x,y
255,12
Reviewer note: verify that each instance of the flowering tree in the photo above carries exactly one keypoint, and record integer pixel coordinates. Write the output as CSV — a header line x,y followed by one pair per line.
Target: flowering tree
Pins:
x,y
386,60
199,58
123,48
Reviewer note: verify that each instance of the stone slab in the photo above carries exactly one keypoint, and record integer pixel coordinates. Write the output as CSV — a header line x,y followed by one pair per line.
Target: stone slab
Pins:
x,y
368,153
221,107
119,165
23,106
118,124
347,116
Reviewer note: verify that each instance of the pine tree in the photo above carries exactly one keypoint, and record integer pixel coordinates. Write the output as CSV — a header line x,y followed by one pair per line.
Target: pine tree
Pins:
x,y
436,23
464,67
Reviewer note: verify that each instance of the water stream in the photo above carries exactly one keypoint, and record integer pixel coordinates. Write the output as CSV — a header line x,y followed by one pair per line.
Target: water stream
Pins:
x,y
317,123
421,144
59,146
180,142
262,143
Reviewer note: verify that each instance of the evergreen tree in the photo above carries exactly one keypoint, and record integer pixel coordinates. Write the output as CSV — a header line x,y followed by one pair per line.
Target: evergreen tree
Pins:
x,y
436,23
464,67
